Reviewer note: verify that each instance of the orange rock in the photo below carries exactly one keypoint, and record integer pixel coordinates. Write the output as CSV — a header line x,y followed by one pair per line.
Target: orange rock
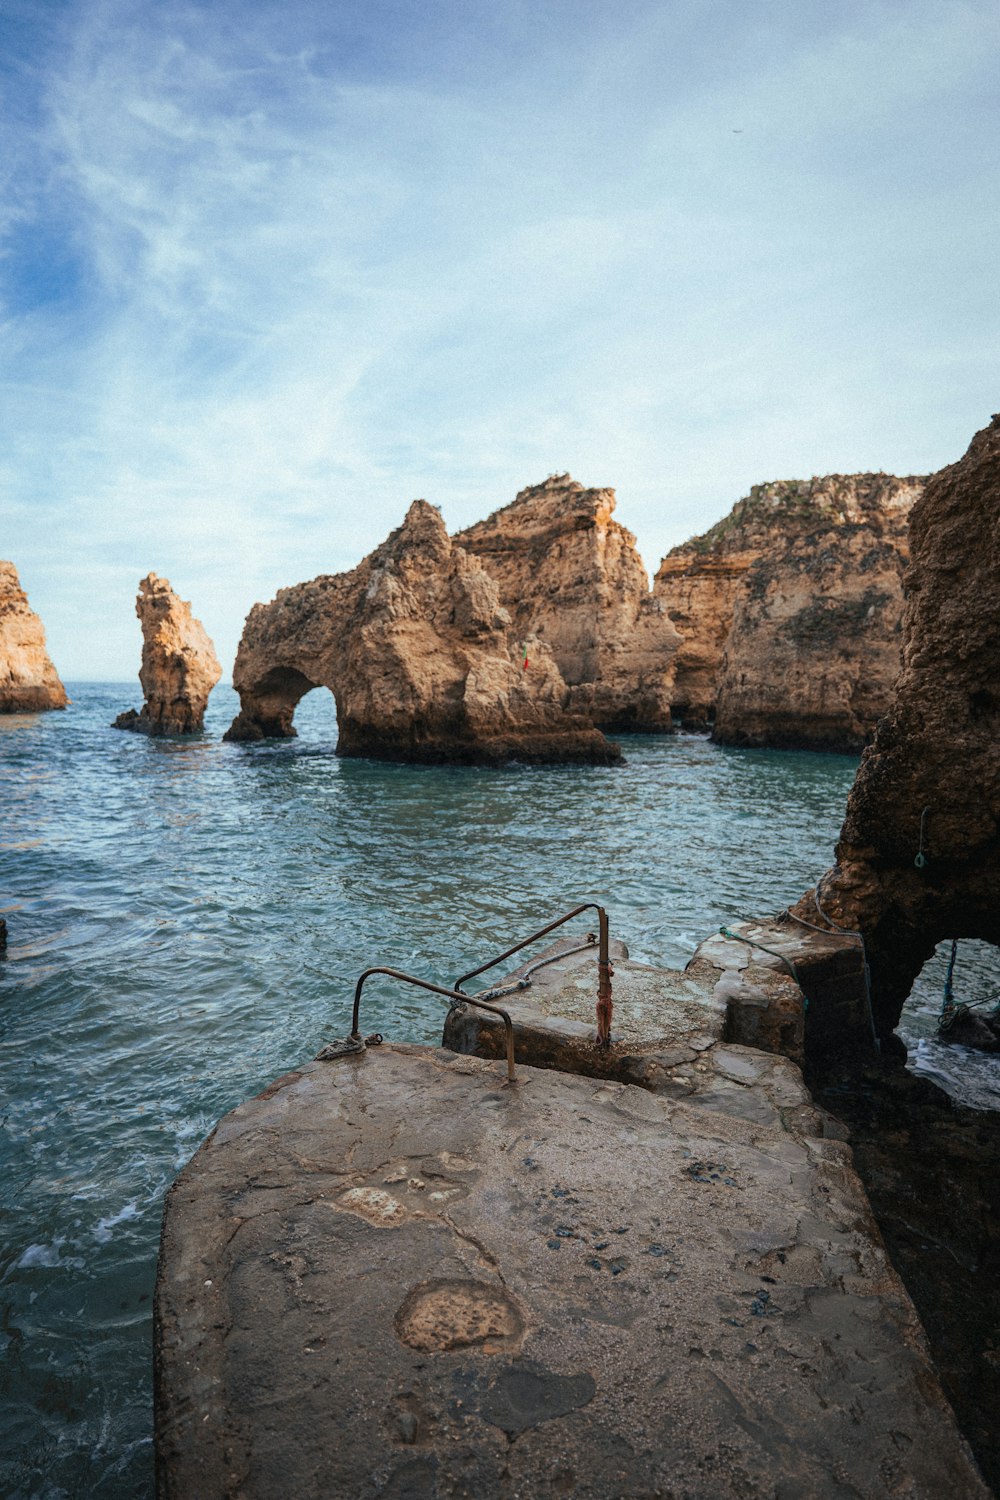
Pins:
x,y
420,655
179,666
571,574
919,853
791,609
28,680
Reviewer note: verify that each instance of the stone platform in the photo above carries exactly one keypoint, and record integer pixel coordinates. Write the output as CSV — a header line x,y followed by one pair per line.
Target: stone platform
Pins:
x,y
394,1275
681,1034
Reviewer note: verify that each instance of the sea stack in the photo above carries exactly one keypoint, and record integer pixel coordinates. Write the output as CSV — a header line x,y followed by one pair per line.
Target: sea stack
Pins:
x,y
791,609
179,666
29,682
571,574
919,854
421,656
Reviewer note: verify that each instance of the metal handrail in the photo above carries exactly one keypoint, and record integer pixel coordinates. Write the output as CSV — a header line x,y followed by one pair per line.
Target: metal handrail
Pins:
x,y
604,969
437,989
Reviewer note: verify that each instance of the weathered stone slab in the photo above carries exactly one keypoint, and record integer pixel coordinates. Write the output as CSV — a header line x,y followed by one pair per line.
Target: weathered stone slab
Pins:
x,y
392,1275
834,1027
666,1031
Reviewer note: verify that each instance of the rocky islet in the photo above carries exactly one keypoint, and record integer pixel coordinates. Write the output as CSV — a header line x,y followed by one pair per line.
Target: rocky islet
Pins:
x,y
421,656
529,634
179,665
570,575
29,682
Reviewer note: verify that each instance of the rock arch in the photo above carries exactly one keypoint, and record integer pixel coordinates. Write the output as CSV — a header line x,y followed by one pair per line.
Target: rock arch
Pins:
x,y
918,859
420,656
269,703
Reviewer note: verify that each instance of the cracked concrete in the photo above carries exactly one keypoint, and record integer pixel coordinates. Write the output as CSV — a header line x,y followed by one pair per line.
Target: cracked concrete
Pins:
x,y
393,1275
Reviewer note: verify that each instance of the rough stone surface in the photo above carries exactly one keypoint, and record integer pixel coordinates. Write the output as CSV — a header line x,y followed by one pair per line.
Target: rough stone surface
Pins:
x,y
421,657
179,665
919,853
392,1275
570,574
28,680
670,1031
790,610
829,1026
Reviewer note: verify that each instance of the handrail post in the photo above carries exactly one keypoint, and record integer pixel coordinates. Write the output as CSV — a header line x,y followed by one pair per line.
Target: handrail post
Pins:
x,y
604,973
605,970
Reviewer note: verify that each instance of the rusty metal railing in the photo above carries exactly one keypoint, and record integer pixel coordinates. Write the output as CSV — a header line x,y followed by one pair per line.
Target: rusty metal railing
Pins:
x,y
604,969
485,999
436,989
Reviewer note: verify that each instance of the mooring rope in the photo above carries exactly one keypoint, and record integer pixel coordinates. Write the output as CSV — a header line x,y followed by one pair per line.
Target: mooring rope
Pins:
x,y
752,943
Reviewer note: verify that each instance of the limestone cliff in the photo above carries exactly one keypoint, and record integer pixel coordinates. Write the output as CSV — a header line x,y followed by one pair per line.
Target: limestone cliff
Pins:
x,y
790,610
28,680
571,574
919,853
179,666
420,655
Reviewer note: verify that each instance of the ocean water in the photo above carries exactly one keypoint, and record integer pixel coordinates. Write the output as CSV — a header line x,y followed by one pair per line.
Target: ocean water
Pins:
x,y
186,922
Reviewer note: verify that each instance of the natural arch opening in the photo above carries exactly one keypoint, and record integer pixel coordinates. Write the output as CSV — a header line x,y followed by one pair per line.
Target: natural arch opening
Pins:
x,y
950,1023
315,716
268,707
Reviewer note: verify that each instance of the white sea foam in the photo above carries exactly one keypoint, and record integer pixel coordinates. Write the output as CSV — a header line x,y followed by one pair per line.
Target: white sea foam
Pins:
x,y
41,1256
102,1232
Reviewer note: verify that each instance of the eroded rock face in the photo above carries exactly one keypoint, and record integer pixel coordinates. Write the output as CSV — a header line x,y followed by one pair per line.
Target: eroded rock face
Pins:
x,y
28,680
420,655
571,575
790,609
179,666
919,853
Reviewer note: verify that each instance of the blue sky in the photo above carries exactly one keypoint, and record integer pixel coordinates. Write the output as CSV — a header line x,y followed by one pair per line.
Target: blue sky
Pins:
x,y
268,271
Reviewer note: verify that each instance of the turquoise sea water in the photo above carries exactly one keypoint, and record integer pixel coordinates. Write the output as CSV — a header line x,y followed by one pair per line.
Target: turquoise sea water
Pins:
x,y
186,922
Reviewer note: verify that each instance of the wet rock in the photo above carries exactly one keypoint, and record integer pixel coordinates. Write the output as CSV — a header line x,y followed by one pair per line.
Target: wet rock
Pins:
x,y
679,1035
28,680
718,1293
421,657
571,575
971,1028
179,666
821,1015
919,853
790,610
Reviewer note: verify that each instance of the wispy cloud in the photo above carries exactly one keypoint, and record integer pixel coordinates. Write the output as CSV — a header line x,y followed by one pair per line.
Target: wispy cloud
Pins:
x,y
271,270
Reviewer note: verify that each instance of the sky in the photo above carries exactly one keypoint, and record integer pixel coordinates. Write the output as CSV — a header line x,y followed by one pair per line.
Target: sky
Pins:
x,y
269,271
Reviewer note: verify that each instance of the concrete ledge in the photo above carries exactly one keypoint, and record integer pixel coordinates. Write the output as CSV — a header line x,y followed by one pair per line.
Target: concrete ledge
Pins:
x,y
829,967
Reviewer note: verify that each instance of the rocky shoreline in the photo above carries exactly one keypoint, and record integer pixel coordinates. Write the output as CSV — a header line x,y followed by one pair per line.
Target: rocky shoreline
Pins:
x,y
533,634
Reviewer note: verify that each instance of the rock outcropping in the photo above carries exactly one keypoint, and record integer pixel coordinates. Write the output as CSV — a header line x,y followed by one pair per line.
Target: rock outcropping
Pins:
x,y
919,853
571,575
790,608
28,680
179,666
421,657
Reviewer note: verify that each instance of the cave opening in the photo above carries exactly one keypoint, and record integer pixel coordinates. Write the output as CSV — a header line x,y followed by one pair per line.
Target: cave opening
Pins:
x,y
962,1056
